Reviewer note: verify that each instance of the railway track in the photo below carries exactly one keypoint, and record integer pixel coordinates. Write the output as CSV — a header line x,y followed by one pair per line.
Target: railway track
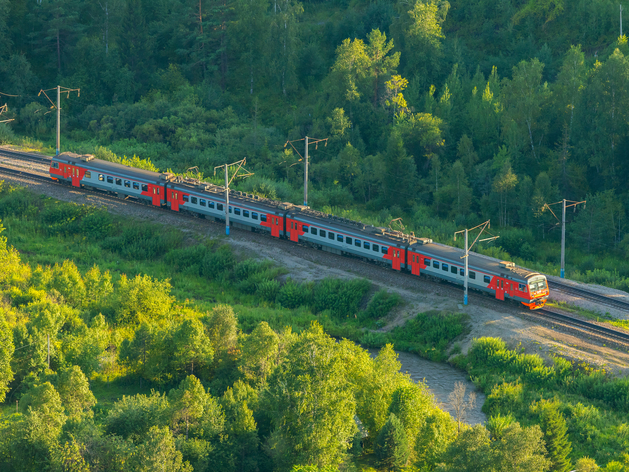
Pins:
x,y
545,313
596,297
25,156
594,328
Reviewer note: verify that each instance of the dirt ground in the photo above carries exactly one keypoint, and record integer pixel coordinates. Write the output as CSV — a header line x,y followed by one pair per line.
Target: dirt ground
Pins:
x,y
488,317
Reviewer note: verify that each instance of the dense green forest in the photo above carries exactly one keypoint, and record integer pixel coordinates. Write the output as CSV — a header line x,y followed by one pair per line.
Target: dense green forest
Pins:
x,y
173,354
443,113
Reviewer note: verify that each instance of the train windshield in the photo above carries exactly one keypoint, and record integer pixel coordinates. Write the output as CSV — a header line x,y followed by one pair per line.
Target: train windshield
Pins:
x,y
537,283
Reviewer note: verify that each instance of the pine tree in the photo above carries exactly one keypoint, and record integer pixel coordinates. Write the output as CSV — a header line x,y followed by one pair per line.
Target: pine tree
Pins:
x,y
557,441
391,446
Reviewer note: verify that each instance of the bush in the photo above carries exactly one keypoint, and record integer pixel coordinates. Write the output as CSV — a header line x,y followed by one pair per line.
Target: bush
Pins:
x,y
218,264
7,136
380,305
342,298
268,290
142,242
293,295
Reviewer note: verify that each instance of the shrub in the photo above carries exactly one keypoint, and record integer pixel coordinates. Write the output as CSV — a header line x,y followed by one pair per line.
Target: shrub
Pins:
x,y
341,297
268,289
217,264
381,304
294,295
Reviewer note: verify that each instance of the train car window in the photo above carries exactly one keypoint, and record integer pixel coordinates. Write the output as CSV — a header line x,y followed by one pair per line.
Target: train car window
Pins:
x,y
427,262
453,269
211,205
367,245
88,174
348,240
435,264
263,217
322,233
185,198
136,186
444,267
339,238
522,287
237,211
219,207
145,188
127,183
472,274
313,231
486,279
357,242
245,213
462,272
110,180
202,202
101,177
254,215
193,200
155,191
305,228
277,221
230,209
118,181
384,250
331,235
376,248
55,165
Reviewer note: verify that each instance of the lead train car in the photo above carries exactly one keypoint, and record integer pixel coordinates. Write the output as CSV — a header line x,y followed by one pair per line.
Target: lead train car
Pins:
x,y
301,224
86,171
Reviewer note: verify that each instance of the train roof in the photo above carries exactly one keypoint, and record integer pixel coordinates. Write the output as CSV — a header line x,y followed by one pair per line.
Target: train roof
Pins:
x,y
454,255
199,187
90,162
356,228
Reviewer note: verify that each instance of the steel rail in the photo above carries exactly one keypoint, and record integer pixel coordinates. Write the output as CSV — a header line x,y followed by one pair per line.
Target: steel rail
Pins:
x,y
584,325
584,293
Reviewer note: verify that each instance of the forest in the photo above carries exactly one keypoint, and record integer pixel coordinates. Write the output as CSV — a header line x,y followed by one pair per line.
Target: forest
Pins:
x,y
172,355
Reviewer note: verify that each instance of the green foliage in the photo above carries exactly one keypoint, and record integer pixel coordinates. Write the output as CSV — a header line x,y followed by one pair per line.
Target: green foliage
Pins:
x,y
381,304
6,352
294,295
391,447
342,298
134,416
142,299
555,434
430,333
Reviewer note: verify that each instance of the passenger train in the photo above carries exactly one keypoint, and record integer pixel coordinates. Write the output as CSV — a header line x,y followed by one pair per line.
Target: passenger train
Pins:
x,y
301,224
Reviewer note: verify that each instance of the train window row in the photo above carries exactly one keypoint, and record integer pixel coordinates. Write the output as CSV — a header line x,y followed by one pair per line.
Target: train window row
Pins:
x,y
127,183
246,213
445,267
348,240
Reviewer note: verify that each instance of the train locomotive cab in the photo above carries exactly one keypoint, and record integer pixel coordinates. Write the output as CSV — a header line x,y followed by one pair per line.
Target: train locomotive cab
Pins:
x,y
538,292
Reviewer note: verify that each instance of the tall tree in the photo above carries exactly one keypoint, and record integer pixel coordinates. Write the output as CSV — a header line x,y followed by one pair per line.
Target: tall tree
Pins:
x,y
556,435
391,447
524,98
311,404
6,352
382,64
286,41
401,173
188,403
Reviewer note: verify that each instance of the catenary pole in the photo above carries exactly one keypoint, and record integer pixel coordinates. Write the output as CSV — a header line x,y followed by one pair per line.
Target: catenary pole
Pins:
x,y
226,200
48,338
308,141
563,240
466,255
564,205
466,268
58,119
306,175
621,21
